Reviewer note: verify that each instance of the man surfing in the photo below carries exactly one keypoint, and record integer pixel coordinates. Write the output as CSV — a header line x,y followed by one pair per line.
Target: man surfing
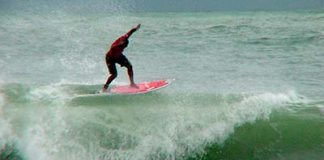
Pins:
x,y
115,55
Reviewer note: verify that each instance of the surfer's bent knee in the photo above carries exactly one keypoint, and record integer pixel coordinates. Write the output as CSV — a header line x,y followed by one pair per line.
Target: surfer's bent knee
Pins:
x,y
129,66
113,75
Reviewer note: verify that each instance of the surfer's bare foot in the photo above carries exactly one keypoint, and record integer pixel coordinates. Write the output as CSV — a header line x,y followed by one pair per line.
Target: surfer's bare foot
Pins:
x,y
133,85
104,90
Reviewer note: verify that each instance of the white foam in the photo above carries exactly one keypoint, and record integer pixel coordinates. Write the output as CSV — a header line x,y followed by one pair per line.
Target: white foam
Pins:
x,y
171,130
259,106
321,108
2,101
53,94
94,82
44,135
200,126
6,134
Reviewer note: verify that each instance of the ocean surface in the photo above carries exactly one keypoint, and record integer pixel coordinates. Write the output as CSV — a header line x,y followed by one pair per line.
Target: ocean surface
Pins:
x,y
248,85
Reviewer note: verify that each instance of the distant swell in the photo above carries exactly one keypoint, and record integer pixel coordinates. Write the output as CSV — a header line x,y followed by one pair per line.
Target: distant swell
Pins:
x,y
285,40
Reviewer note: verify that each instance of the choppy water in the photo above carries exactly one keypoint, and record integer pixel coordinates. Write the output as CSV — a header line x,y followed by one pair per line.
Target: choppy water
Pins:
x,y
249,85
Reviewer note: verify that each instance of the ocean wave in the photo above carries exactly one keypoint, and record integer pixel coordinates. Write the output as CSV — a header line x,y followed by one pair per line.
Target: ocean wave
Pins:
x,y
7,147
234,28
292,40
150,126
286,134
217,27
222,99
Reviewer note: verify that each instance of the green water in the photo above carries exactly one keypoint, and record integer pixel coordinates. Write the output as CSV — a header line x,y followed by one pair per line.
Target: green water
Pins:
x,y
248,85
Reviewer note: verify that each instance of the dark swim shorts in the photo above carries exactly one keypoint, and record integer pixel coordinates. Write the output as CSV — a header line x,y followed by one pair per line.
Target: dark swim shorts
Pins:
x,y
121,60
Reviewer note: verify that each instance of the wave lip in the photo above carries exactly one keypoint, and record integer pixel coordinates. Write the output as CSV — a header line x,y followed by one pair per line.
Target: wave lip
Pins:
x,y
150,126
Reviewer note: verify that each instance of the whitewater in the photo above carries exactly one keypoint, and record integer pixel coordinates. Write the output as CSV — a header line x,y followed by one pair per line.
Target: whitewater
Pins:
x,y
248,85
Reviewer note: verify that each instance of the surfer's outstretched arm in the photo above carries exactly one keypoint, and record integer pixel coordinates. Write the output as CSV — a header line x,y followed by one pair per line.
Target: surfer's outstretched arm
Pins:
x,y
130,32
124,38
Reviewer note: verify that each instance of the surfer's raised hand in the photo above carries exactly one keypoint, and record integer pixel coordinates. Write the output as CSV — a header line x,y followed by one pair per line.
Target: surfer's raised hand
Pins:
x,y
138,26
130,32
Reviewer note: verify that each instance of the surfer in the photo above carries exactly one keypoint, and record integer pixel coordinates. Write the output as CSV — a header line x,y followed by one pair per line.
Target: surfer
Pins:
x,y
115,55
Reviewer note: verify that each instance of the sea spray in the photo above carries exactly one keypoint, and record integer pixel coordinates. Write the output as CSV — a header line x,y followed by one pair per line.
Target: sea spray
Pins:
x,y
8,139
143,127
173,129
5,129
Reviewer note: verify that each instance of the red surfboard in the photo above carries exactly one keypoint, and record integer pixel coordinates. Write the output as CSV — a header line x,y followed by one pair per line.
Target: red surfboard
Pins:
x,y
143,87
